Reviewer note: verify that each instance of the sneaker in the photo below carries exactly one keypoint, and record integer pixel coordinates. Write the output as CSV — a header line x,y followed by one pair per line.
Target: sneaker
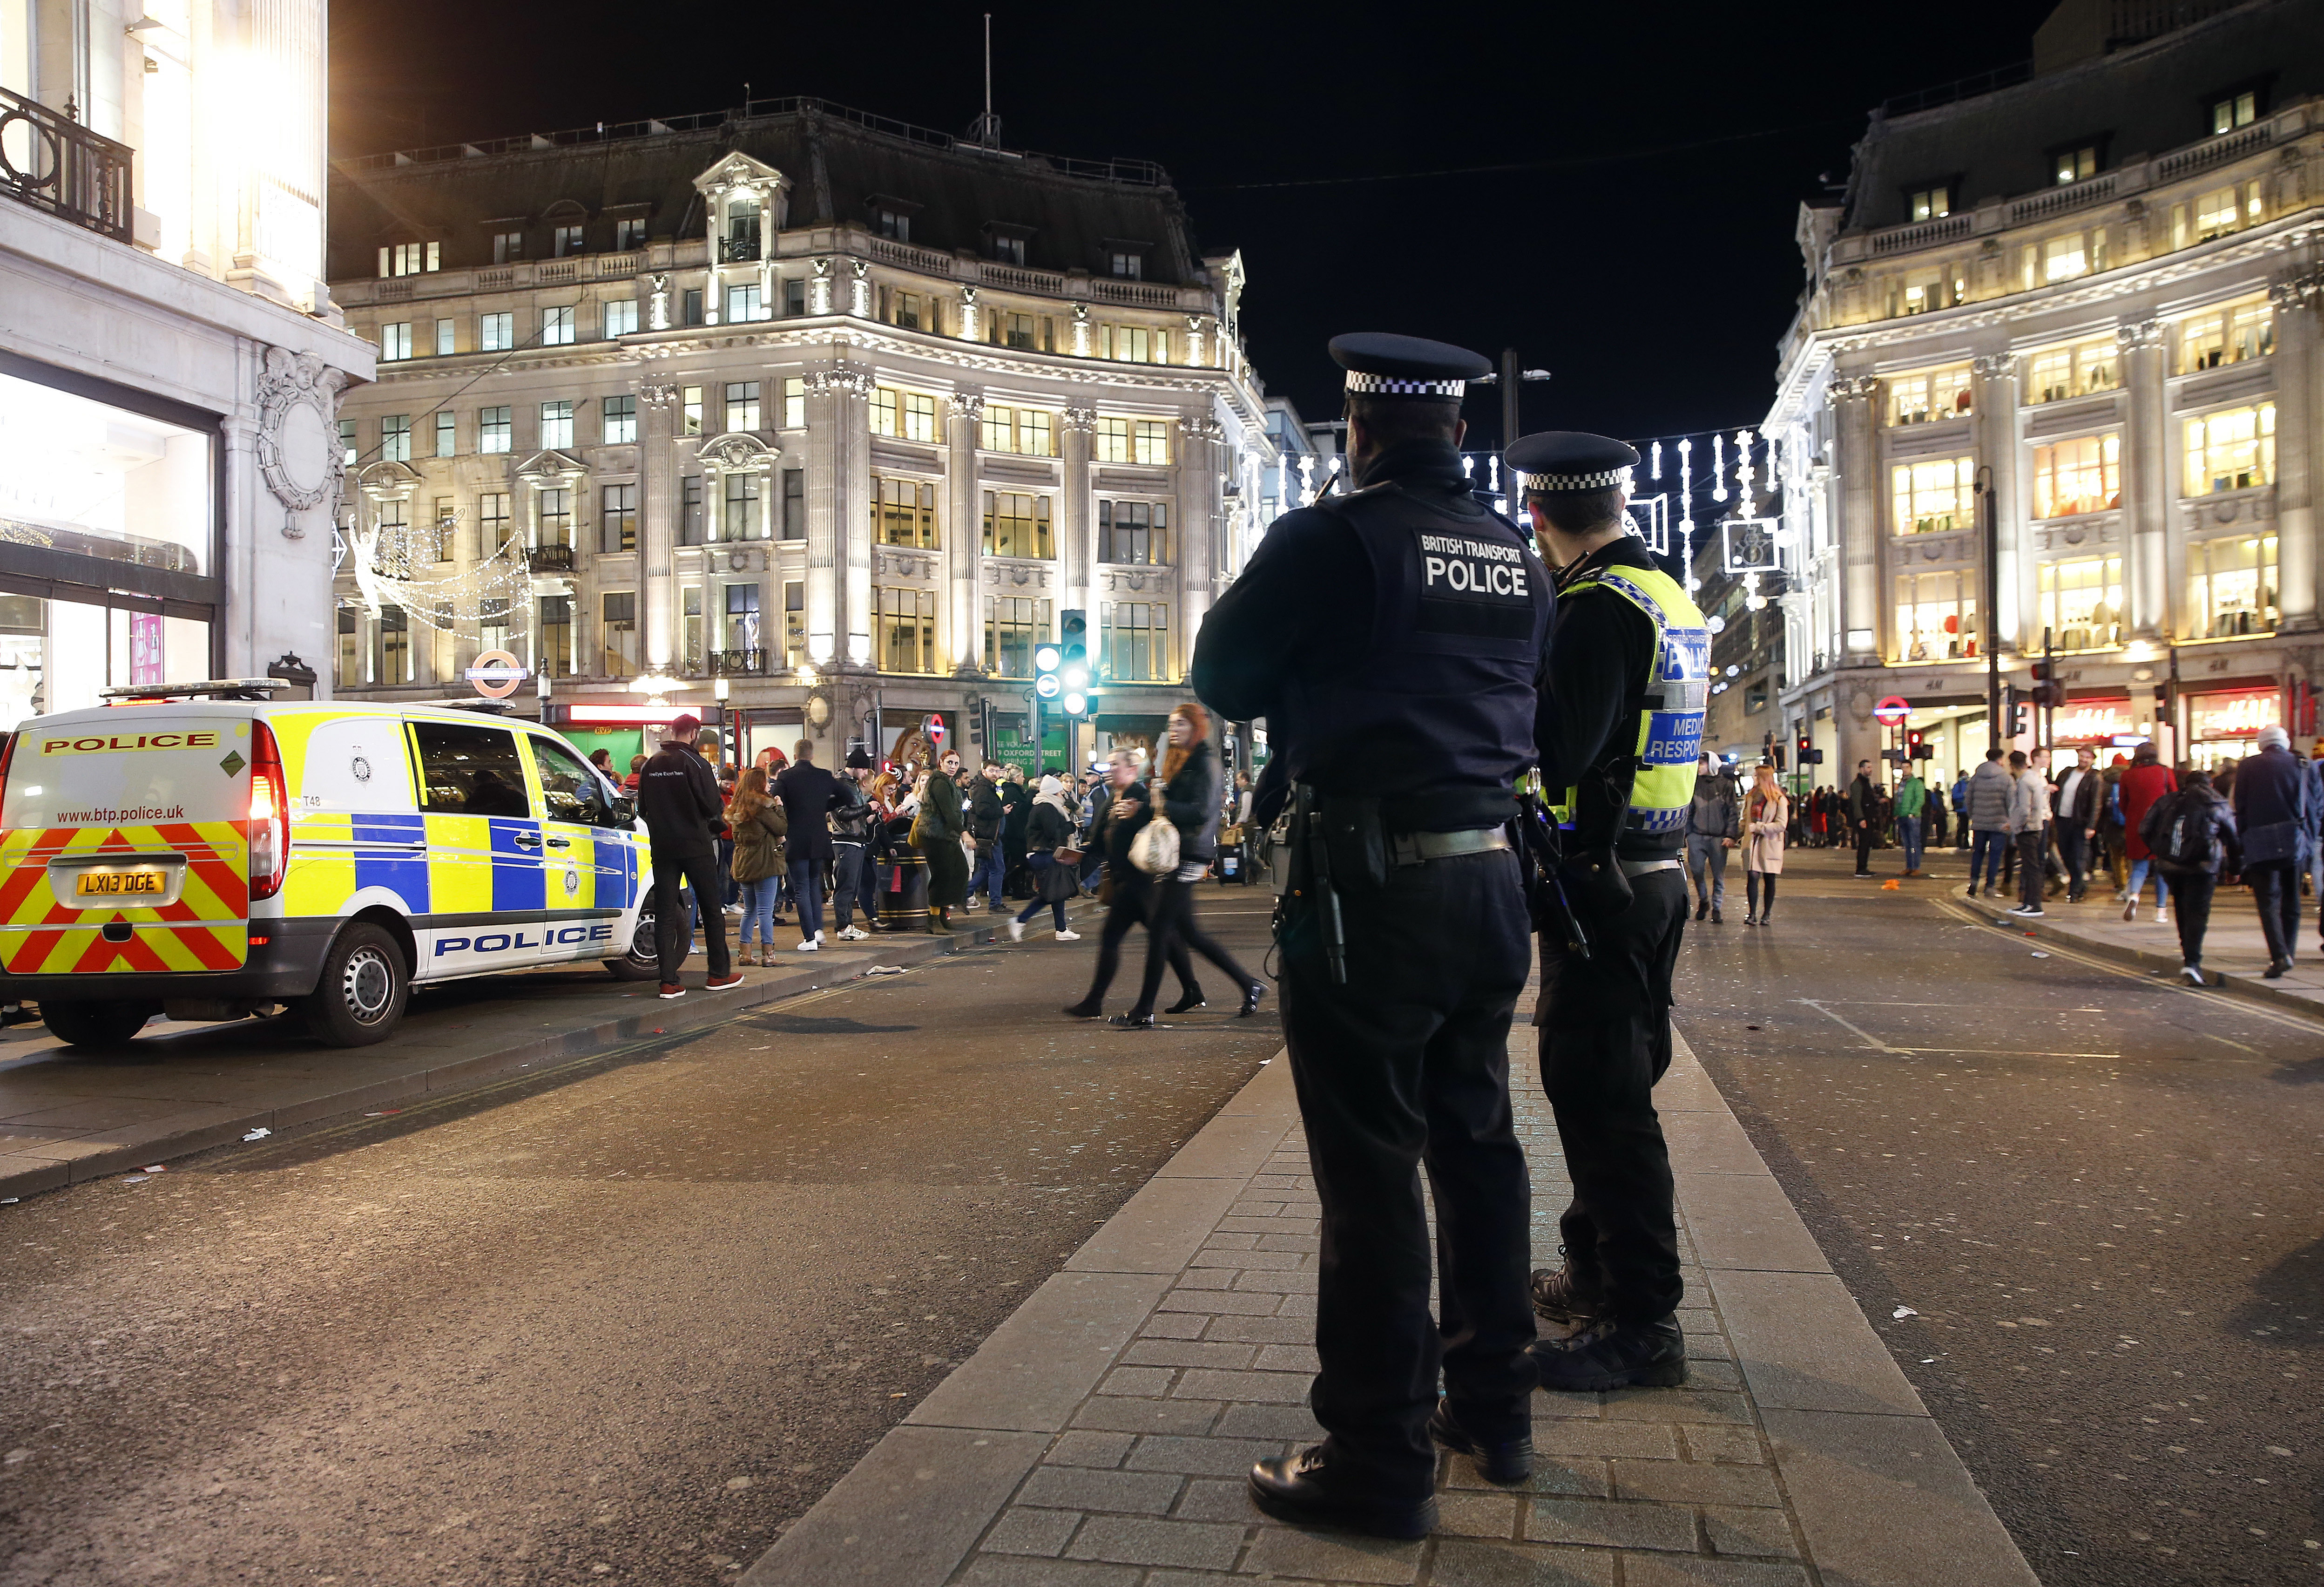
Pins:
x,y
2036,914
1612,1355
2162,917
1016,930
852,934
2130,910
813,945
727,983
1069,936
671,988
2021,909
818,937
2194,975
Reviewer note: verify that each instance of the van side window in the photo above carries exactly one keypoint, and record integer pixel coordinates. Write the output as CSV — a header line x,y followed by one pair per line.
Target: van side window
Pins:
x,y
566,785
470,770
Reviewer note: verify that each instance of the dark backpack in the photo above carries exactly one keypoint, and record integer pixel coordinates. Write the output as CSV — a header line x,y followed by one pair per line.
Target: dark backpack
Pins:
x,y
2178,832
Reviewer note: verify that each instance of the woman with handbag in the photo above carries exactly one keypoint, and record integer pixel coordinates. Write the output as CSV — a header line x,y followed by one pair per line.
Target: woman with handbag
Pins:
x,y
1123,812
1766,818
759,826
1176,851
1048,838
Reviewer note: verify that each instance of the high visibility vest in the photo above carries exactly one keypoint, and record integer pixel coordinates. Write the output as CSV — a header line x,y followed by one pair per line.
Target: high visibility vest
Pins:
x,y
1671,700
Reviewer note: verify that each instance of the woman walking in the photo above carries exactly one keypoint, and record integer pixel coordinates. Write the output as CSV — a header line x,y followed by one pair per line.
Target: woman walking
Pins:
x,y
1189,800
1049,829
2147,780
937,833
759,827
1129,891
1766,817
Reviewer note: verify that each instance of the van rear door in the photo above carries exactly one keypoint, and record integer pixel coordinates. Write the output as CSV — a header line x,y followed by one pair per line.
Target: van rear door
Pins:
x,y
125,843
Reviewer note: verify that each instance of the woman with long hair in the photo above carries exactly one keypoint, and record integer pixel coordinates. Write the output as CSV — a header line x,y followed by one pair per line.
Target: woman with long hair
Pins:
x,y
1766,818
1123,811
760,826
1188,799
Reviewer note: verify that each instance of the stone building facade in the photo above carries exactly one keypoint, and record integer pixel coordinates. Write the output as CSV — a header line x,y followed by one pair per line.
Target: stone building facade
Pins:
x,y
2093,290
830,416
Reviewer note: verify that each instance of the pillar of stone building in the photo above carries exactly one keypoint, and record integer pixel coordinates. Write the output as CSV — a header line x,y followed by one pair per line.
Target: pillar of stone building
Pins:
x,y
963,541
2297,300
767,250
657,527
1197,527
2146,510
1856,469
715,211
852,508
825,402
1993,406
1077,535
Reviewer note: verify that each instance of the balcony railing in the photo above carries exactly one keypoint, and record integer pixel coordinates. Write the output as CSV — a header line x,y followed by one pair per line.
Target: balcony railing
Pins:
x,y
729,663
742,250
59,165
549,559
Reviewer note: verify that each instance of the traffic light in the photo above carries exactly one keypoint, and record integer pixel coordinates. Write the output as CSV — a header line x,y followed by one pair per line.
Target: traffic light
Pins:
x,y
2047,690
1047,660
2013,712
1916,746
1073,662
1806,745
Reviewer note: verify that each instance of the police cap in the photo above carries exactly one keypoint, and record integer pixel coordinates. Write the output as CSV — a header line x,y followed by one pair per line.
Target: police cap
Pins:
x,y
1558,462
1381,363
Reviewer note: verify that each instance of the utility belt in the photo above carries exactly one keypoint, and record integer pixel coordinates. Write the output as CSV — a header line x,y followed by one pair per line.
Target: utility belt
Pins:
x,y
1336,844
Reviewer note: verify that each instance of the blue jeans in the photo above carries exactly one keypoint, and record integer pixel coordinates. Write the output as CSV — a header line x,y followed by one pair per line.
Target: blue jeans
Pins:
x,y
1985,857
806,892
758,910
1042,866
992,876
1908,835
2138,880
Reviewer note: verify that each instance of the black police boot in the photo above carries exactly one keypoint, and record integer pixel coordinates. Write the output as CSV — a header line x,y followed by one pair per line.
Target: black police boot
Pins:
x,y
1503,1461
1612,1355
1560,1296
1303,1488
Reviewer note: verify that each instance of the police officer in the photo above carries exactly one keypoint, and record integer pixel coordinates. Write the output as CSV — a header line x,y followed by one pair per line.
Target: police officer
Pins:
x,y
1622,724
1393,640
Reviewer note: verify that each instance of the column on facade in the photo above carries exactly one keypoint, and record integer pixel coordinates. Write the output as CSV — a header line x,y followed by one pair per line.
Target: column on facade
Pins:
x,y
1077,533
852,503
1993,406
767,195
714,204
964,546
1197,492
2145,452
1857,470
657,530
2299,372
824,401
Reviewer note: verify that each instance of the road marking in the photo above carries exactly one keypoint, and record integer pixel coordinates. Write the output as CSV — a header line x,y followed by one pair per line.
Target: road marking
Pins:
x,y
1870,1041
1875,1044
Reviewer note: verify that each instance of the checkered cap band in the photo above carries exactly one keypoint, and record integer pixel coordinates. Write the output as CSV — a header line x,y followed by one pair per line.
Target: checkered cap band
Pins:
x,y
1391,385
1605,479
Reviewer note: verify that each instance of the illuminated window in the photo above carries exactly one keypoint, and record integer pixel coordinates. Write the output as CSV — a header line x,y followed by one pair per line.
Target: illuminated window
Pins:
x,y
617,518
744,304
2234,111
1151,442
2082,603
741,519
2230,451
690,628
904,512
2074,165
1026,430
448,435
920,417
1136,639
1936,616
556,327
447,522
1016,525
1934,496
907,310
394,342
491,521
1929,394
1133,344
743,617
409,258
2064,258
1931,203
1013,626
493,429
347,442
554,510
395,438
556,424
495,333
743,404
2076,476
620,420
2226,335
1134,532
998,427
617,634
1920,290
690,406
907,628
795,625
2075,370
885,405
621,318
795,404
447,338
2230,587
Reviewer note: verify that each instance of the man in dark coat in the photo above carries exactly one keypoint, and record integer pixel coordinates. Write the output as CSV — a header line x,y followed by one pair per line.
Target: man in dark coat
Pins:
x,y
987,814
678,796
1863,816
808,792
2271,804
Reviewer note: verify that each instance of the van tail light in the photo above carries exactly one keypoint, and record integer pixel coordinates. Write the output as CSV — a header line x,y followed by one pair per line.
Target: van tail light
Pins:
x,y
270,814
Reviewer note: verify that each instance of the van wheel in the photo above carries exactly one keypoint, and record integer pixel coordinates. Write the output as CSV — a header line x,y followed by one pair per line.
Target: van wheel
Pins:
x,y
97,1025
364,988
643,961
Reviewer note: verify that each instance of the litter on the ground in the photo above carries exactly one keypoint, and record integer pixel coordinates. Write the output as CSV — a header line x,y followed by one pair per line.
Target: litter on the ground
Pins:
x,y
154,1168
2039,954
261,1133
1904,1312
887,970
136,1179
1892,885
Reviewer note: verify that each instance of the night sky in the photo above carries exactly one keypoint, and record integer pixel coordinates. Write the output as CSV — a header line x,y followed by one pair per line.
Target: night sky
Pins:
x,y
1620,212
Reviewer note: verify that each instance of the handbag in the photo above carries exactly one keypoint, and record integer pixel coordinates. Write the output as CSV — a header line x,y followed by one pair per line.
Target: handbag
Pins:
x,y
1155,849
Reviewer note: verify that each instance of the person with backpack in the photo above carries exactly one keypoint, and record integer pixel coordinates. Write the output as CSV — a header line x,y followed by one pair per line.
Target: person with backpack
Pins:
x,y
2191,834
2147,780
2272,817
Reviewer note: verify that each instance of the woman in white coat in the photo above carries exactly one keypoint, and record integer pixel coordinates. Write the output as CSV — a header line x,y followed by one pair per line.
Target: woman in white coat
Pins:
x,y
1766,814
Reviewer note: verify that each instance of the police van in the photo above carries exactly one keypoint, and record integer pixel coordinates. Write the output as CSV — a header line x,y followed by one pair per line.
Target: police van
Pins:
x,y
202,850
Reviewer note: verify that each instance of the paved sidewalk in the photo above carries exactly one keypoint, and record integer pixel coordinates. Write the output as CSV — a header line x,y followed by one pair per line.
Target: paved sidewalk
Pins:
x,y
1099,1438
67,1116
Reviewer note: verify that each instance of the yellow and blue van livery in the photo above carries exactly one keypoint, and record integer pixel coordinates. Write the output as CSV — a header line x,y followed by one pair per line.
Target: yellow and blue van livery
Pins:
x,y
214,855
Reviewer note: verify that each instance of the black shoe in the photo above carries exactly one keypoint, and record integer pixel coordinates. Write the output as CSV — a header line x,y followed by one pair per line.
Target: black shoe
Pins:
x,y
1193,1000
2275,969
1506,1461
1299,1489
1715,920
1250,996
1560,1298
1613,1354
1088,1009
1700,910
1132,1021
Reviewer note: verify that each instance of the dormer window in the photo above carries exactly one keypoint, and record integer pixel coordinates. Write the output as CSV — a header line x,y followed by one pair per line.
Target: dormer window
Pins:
x,y
1129,266
2075,164
892,223
2230,111
1931,203
1009,250
568,240
629,235
508,247
409,258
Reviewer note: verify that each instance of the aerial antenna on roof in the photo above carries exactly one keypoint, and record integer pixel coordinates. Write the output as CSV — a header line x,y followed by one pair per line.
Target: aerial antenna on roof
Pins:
x,y
986,128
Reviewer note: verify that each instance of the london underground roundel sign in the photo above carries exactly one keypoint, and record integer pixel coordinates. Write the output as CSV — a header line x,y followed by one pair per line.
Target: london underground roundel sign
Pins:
x,y
1891,712
496,674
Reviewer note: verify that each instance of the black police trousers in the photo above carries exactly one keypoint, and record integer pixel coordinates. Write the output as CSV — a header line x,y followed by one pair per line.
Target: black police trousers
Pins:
x,y
1605,1041
1403,1066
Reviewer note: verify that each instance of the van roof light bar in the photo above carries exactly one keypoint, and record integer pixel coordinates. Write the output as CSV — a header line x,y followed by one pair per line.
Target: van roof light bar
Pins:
x,y
224,688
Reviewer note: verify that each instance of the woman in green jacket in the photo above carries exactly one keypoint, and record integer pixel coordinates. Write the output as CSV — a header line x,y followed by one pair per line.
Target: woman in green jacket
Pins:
x,y
936,832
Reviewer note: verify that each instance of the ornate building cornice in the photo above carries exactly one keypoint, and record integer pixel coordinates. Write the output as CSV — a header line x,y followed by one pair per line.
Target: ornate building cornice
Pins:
x,y
2134,335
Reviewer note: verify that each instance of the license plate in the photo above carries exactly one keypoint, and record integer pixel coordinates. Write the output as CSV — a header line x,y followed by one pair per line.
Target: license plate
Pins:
x,y
118,883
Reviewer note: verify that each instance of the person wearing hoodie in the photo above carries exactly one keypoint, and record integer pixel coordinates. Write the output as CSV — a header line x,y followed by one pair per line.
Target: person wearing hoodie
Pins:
x,y
2147,780
2191,834
1984,811
1961,811
1714,822
1049,829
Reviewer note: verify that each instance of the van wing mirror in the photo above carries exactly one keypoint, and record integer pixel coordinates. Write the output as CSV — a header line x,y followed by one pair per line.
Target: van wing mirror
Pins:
x,y
623,812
